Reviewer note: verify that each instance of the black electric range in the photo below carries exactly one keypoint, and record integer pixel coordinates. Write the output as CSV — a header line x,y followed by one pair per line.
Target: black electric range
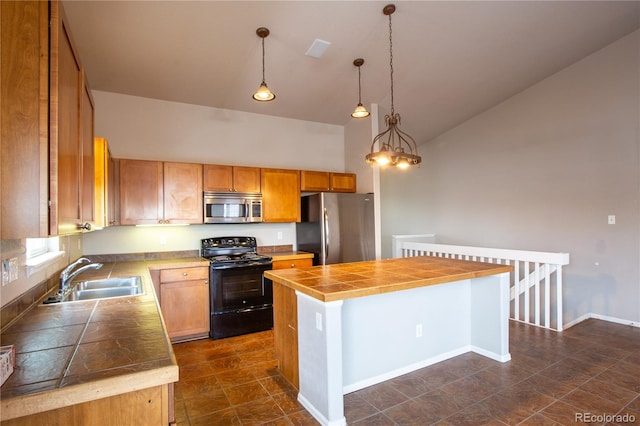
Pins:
x,y
241,298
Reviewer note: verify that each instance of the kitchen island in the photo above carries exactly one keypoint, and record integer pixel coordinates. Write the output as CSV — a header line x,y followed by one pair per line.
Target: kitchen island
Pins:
x,y
343,327
106,361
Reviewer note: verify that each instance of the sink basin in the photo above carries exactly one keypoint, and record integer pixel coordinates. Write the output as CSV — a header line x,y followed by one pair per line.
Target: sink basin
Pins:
x,y
102,293
119,282
102,289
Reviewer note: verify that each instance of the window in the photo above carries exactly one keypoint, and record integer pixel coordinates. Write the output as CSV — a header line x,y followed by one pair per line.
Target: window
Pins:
x,y
36,247
41,252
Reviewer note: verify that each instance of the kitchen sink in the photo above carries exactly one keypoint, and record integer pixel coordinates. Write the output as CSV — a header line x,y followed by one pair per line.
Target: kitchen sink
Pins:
x,y
101,293
101,289
107,283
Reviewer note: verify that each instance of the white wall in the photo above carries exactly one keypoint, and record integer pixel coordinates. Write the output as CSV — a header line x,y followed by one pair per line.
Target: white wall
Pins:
x,y
151,129
542,171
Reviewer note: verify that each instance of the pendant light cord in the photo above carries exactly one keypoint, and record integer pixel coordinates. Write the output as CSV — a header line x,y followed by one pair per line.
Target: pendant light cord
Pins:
x,y
263,60
359,88
391,63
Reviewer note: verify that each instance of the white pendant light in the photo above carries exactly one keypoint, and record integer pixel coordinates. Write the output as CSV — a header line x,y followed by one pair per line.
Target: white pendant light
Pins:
x,y
263,94
360,111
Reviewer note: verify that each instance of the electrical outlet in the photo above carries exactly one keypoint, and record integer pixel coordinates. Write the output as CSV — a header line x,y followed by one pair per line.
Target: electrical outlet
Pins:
x,y
418,330
319,321
611,219
279,236
163,240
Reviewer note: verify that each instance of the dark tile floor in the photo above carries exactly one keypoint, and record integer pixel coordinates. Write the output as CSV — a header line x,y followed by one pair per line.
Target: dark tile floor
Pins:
x,y
578,376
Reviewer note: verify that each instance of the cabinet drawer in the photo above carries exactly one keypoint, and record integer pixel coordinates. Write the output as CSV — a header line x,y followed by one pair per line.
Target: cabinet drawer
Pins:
x,y
290,264
184,274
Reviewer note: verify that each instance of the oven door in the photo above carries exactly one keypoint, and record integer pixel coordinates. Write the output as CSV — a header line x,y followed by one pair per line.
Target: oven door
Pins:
x,y
239,288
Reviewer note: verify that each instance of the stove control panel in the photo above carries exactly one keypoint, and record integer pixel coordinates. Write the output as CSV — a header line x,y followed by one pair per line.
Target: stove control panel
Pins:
x,y
229,242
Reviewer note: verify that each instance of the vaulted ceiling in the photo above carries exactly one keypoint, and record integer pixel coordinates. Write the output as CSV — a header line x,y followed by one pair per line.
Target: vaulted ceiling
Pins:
x,y
451,59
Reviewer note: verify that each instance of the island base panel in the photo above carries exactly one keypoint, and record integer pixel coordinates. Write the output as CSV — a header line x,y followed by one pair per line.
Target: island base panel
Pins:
x,y
148,406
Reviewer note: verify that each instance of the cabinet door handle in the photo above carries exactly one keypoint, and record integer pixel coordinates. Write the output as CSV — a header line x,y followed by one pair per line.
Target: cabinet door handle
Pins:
x,y
293,265
184,274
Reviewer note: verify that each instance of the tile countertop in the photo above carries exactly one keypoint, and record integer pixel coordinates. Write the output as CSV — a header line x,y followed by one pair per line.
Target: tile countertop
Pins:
x,y
80,351
357,279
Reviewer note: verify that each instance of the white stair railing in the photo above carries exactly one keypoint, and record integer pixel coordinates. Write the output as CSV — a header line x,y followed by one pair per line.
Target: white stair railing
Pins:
x,y
535,283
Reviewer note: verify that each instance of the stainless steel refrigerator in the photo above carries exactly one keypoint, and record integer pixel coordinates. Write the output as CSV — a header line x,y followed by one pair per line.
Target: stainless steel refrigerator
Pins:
x,y
336,227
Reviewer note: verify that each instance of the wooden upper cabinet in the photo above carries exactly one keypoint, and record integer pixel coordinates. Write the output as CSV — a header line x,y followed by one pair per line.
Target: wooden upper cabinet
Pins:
x,y
87,193
183,193
326,181
314,181
65,128
342,182
24,181
280,195
106,187
113,184
219,178
102,158
153,192
141,192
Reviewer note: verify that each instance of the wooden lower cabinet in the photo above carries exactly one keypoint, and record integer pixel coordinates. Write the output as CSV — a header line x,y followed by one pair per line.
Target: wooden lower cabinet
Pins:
x,y
285,330
290,264
285,322
151,406
184,301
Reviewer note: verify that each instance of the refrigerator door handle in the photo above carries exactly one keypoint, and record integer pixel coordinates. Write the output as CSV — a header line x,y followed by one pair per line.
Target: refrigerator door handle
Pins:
x,y
326,235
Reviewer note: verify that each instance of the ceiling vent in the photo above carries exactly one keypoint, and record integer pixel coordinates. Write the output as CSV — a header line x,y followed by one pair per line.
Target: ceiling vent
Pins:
x,y
318,47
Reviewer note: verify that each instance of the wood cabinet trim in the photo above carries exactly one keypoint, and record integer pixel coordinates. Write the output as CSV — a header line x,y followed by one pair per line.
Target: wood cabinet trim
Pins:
x,y
294,263
313,180
184,274
24,207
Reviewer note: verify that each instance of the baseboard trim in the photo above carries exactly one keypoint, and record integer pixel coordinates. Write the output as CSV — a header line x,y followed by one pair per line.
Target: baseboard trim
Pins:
x,y
607,318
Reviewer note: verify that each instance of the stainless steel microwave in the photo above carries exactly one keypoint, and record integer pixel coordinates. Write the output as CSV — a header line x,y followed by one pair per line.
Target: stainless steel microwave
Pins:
x,y
232,207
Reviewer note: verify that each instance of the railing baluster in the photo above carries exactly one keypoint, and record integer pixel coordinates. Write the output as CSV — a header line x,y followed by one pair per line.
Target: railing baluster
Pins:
x,y
559,298
537,292
527,273
547,296
516,279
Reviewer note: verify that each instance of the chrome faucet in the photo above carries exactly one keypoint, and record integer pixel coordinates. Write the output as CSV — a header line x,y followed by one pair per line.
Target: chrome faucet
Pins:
x,y
68,273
